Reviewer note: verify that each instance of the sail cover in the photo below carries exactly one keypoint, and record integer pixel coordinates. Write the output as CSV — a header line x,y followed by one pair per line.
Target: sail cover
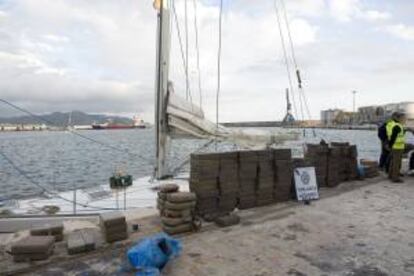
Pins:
x,y
186,120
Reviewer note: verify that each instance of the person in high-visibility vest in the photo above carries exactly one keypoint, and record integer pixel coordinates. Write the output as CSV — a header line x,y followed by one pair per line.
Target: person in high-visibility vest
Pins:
x,y
385,150
396,140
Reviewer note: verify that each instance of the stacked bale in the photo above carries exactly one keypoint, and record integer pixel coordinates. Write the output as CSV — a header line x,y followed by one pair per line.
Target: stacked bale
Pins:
x,y
317,156
80,241
266,178
33,248
178,212
114,226
49,229
353,162
301,163
228,182
248,170
370,168
165,189
204,177
335,166
283,188
342,160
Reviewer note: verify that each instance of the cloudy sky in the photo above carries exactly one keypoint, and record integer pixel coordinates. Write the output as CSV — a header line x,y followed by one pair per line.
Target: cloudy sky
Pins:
x,y
99,55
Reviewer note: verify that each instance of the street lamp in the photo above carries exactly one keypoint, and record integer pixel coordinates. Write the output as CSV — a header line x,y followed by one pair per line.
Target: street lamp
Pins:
x,y
354,101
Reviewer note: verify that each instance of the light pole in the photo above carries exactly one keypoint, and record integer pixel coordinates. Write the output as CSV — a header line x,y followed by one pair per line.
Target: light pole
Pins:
x,y
354,101
353,107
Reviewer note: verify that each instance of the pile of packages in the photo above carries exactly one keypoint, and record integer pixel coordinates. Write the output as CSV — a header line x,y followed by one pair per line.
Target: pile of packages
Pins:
x,y
33,248
284,189
225,181
317,156
204,177
228,184
48,229
370,168
114,226
333,164
248,170
266,178
246,179
176,209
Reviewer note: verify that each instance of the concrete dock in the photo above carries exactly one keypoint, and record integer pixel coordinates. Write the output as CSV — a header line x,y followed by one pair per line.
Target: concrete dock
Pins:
x,y
359,228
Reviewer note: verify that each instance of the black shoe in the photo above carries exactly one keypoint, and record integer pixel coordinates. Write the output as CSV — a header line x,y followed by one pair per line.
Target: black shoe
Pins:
x,y
399,180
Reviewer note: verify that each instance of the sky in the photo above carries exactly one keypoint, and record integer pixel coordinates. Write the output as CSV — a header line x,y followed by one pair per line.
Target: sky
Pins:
x,y
98,56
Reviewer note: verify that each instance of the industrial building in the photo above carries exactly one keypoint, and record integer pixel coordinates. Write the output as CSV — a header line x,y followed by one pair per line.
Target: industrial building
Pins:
x,y
367,115
379,113
328,117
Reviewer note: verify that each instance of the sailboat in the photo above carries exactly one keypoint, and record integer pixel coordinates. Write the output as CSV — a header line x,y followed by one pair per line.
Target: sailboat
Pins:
x,y
175,118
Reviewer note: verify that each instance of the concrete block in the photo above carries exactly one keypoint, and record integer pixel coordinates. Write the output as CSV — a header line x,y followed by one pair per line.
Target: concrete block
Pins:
x,y
226,221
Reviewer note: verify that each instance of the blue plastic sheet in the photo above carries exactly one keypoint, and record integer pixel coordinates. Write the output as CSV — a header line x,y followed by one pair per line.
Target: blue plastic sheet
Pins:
x,y
151,254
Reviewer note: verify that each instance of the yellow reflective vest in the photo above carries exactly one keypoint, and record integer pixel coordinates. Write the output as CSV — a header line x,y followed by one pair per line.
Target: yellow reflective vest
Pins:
x,y
400,141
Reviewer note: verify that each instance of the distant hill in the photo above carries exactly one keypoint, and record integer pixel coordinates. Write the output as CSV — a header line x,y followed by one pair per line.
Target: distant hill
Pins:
x,y
60,119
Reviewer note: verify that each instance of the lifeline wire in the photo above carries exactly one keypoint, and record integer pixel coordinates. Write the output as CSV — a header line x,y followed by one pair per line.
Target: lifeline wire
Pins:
x,y
44,190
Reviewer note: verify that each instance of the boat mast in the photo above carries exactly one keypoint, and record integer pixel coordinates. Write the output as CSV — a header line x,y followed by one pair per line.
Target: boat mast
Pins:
x,y
161,86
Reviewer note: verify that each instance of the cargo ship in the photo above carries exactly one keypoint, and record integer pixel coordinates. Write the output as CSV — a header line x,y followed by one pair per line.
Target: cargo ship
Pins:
x,y
138,123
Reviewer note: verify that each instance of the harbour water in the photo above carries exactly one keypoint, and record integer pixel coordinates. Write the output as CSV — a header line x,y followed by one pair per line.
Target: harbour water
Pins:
x,y
61,161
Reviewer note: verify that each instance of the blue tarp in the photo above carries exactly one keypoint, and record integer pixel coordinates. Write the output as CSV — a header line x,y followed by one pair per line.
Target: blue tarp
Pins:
x,y
150,255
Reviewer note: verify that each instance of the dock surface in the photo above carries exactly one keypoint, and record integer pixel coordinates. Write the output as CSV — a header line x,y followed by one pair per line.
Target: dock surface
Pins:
x,y
358,228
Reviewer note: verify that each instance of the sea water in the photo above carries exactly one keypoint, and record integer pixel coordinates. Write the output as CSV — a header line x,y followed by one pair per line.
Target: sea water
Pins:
x,y
61,161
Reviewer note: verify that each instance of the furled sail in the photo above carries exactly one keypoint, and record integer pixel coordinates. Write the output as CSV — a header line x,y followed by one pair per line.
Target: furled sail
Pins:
x,y
186,120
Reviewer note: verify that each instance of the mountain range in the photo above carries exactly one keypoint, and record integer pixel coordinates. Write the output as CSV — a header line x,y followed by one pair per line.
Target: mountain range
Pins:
x,y
61,119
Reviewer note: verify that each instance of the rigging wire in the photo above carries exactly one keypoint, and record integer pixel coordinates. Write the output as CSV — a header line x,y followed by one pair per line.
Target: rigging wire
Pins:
x,y
300,86
219,62
41,119
282,38
184,161
198,53
180,42
283,8
186,47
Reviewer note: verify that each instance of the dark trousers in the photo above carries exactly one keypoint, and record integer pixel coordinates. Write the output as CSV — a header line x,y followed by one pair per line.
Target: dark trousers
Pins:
x,y
384,158
412,161
395,164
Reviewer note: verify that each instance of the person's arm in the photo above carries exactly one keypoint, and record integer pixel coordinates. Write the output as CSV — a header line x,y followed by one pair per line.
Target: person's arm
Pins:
x,y
395,131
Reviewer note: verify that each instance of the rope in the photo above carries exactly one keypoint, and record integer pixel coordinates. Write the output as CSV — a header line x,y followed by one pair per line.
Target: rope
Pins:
x,y
282,38
219,63
41,119
198,53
